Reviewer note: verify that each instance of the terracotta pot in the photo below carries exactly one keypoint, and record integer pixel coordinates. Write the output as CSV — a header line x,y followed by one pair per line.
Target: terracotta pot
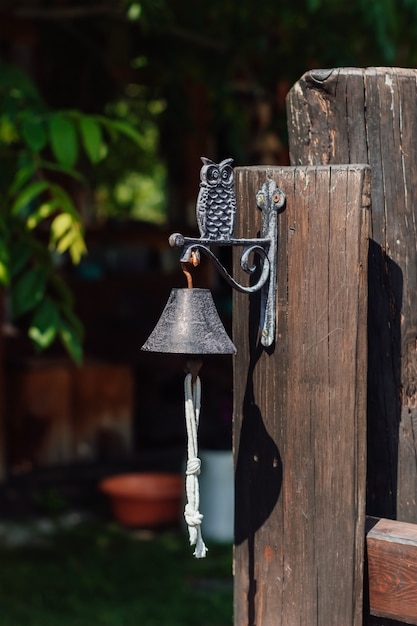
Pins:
x,y
145,499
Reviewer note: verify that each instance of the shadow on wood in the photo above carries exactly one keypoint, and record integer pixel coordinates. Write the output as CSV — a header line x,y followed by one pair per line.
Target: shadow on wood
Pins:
x,y
385,288
258,469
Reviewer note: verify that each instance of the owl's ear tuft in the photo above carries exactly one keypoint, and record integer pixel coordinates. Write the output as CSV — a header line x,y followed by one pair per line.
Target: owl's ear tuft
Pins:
x,y
226,162
207,161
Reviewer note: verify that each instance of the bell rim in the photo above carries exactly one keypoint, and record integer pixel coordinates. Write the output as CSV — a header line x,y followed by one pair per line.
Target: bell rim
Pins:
x,y
169,334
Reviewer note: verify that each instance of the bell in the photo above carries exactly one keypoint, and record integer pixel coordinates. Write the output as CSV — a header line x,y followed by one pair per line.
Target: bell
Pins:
x,y
190,324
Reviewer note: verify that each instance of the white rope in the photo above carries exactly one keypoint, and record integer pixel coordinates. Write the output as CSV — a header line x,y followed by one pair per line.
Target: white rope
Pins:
x,y
192,515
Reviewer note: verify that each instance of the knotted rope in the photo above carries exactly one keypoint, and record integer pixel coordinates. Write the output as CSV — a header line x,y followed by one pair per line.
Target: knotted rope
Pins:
x,y
193,518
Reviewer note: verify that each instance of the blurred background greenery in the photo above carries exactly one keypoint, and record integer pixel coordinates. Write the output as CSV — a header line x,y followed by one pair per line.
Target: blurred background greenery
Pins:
x,y
190,77
115,102
89,573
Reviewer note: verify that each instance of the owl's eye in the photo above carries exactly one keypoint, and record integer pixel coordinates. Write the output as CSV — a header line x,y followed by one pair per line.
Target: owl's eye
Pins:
x,y
212,174
227,174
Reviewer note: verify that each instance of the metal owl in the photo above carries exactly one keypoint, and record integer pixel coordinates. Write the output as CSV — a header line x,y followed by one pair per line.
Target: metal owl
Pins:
x,y
216,202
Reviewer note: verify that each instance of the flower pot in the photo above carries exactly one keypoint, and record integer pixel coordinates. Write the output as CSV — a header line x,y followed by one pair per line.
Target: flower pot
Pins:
x,y
145,499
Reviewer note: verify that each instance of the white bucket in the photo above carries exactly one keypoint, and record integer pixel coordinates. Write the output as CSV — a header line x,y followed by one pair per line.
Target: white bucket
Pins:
x,y
217,499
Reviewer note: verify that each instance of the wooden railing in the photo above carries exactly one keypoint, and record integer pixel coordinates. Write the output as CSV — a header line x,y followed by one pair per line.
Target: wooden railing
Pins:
x,y
391,549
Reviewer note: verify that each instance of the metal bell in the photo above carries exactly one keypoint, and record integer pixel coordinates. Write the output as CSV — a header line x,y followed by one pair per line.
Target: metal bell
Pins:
x,y
190,324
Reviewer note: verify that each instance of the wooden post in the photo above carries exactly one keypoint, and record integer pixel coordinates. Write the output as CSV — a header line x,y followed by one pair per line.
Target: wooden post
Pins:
x,y
370,116
300,407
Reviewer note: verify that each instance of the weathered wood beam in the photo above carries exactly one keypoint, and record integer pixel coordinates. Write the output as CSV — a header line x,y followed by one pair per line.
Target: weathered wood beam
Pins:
x,y
391,548
358,115
300,407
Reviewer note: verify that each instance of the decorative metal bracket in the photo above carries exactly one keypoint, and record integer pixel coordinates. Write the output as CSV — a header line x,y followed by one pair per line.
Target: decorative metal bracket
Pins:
x,y
216,208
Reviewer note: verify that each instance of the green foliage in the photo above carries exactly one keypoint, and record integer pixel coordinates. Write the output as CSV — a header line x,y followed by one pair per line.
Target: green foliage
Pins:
x,y
236,55
97,574
40,151
91,134
131,182
239,52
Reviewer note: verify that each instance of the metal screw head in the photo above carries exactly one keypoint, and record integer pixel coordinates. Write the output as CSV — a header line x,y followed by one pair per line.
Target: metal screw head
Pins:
x,y
260,199
278,198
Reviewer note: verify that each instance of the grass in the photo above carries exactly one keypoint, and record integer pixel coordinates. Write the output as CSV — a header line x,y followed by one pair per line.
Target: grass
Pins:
x,y
97,574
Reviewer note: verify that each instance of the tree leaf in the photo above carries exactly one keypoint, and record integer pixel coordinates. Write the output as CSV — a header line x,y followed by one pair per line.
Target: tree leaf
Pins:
x,y
65,201
28,194
4,273
67,236
20,253
62,291
60,226
45,324
8,131
126,129
66,241
46,209
77,249
4,263
73,320
63,138
71,341
28,291
23,174
34,133
12,78
91,137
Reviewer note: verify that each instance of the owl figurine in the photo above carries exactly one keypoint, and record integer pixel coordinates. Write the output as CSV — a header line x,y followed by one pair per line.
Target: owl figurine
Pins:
x,y
216,202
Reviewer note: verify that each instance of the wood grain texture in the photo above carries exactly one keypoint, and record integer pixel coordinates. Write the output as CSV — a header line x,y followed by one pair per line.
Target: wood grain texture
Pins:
x,y
300,407
353,115
392,569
